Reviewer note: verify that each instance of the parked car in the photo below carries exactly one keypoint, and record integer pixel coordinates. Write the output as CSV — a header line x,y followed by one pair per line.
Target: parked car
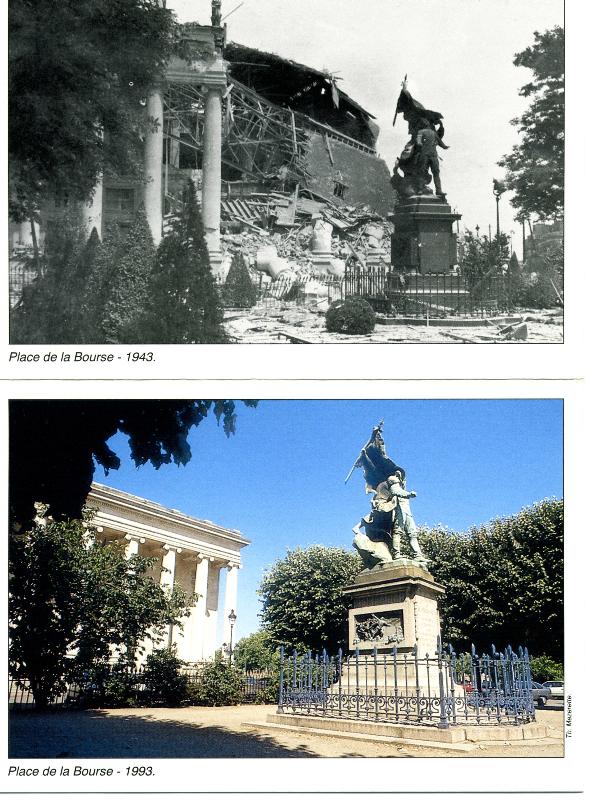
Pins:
x,y
540,694
556,689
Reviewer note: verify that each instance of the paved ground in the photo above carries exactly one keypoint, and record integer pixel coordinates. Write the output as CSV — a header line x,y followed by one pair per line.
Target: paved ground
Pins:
x,y
219,732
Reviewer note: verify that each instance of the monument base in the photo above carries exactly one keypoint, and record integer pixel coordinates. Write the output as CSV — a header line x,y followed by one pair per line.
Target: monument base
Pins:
x,y
394,606
423,239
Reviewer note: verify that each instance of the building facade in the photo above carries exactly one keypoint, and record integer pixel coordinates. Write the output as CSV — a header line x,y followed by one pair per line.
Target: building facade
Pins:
x,y
196,554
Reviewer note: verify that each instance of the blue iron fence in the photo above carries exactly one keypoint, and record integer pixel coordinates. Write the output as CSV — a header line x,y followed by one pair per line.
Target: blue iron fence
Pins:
x,y
398,687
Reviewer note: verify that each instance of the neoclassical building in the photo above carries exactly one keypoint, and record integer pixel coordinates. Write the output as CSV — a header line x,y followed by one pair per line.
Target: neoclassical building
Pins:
x,y
197,554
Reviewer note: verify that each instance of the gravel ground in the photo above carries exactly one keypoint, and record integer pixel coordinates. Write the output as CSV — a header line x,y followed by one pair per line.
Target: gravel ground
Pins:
x,y
219,733
283,325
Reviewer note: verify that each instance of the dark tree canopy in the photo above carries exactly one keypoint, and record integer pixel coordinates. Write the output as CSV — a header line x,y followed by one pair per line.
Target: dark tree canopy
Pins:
x,y
302,602
79,72
535,167
55,444
504,581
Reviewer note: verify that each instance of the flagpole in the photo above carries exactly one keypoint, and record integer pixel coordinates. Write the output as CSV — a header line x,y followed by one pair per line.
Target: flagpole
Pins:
x,y
356,464
403,85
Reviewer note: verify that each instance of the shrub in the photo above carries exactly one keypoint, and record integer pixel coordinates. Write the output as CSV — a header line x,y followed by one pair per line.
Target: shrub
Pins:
x,y
352,316
219,685
239,290
544,668
164,682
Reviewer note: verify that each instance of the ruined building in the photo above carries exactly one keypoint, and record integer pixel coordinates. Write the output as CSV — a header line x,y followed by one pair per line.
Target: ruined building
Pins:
x,y
243,123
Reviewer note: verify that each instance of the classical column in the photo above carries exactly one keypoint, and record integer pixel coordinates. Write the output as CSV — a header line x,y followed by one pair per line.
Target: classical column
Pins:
x,y
201,585
92,210
230,599
132,546
153,154
169,567
211,170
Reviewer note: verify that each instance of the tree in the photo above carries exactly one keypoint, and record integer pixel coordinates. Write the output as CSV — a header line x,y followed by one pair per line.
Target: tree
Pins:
x,y
73,599
79,71
184,305
255,651
239,290
50,311
127,290
482,256
302,602
55,445
97,286
535,167
504,580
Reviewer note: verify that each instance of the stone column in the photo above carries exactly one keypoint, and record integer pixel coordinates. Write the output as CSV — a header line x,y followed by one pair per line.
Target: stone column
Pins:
x,y
211,171
92,210
153,154
230,601
201,585
132,546
169,567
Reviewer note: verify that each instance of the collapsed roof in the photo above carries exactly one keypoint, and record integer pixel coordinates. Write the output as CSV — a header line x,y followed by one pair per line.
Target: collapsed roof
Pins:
x,y
300,88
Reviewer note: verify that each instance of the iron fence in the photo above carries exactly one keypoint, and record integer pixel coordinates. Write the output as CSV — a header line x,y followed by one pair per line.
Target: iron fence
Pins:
x,y
399,687
437,295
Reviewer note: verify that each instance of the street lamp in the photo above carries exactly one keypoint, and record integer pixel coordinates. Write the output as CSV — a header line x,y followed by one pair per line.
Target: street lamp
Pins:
x,y
498,189
232,616
477,229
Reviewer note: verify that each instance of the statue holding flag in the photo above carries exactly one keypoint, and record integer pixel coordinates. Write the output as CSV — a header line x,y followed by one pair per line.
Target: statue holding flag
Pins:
x,y
419,158
378,535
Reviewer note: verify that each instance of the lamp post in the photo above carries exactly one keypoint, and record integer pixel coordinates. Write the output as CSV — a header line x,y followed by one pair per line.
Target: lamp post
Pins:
x,y
477,229
232,616
498,189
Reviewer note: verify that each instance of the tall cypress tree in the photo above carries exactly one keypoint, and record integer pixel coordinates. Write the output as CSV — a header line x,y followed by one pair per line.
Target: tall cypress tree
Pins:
x,y
184,305
97,287
239,290
128,289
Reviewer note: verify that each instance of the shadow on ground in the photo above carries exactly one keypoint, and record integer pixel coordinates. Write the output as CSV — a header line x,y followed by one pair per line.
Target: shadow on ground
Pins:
x,y
97,734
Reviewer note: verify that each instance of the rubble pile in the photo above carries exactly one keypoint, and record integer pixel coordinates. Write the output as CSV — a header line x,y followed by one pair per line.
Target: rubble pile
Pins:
x,y
299,244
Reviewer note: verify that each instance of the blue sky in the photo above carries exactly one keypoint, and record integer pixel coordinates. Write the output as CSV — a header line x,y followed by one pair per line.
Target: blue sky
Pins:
x,y
280,479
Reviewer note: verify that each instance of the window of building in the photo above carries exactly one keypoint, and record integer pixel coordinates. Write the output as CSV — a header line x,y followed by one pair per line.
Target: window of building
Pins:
x,y
117,199
339,189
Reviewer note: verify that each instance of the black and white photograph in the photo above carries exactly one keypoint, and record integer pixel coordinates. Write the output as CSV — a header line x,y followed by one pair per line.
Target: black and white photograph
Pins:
x,y
195,172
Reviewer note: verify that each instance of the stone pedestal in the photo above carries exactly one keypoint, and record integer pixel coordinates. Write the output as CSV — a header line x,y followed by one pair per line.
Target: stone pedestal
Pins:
x,y
423,240
321,246
395,605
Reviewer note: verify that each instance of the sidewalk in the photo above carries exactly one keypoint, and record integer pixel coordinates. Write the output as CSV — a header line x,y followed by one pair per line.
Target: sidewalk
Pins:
x,y
221,733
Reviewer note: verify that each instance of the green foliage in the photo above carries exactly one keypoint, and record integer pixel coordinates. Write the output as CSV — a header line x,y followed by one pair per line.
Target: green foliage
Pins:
x,y
255,651
75,433
482,256
219,684
239,290
504,580
97,287
541,280
50,311
352,315
128,286
302,603
78,73
68,594
544,668
184,305
535,167
164,683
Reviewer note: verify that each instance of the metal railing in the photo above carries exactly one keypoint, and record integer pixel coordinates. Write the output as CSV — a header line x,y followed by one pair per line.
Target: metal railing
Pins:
x,y
256,685
398,687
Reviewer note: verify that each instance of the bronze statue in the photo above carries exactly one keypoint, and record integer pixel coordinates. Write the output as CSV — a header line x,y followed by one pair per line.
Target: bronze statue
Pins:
x,y
379,535
216,13
419,159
